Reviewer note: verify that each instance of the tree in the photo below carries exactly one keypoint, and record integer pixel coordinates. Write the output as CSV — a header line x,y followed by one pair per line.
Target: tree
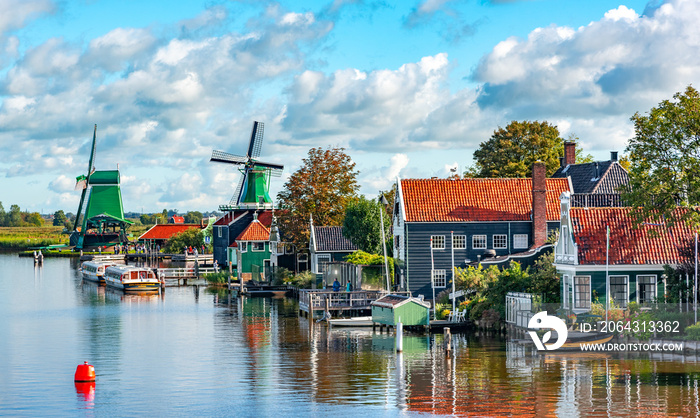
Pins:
x,y
34,219
59,218
177,243
362,227
665,162
3,216
322,188
14,218
193,217
511,151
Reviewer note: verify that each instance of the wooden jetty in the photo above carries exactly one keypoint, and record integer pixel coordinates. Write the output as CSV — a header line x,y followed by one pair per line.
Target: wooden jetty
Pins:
x,y
357,303
183,274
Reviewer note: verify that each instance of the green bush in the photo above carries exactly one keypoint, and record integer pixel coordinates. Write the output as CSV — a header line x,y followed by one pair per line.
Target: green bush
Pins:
x,y
693,332
218,278
303,280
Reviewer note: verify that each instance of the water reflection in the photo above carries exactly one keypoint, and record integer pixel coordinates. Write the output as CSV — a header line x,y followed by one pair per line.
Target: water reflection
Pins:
x,y
208,353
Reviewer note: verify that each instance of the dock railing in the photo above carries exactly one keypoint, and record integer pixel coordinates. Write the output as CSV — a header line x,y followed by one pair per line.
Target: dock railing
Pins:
x,y
315,299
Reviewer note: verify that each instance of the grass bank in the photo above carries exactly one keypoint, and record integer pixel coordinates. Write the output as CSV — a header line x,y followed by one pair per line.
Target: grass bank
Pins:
x,y
22,238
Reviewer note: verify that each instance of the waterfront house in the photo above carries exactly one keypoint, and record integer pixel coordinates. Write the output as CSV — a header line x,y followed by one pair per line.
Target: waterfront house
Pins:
x,y
635,259
327,244
470,218
253,250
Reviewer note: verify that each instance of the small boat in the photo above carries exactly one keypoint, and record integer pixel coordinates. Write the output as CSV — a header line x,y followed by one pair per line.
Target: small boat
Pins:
x,y
130,279
358,321
95,270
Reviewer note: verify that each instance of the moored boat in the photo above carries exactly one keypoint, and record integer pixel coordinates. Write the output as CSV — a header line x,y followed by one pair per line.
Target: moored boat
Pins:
x,y
95,270
357,321
129,278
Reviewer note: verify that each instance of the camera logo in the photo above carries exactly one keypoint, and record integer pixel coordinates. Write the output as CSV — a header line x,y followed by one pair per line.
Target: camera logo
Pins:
x,y
541,321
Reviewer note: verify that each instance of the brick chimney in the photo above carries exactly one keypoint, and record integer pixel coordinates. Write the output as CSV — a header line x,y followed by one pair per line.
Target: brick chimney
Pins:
x,y
539,204
569,153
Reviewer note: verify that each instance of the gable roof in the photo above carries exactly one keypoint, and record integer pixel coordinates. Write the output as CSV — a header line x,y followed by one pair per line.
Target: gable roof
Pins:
x,y
469,200
595,177
165,231
331,238
255,231
628,245
394,301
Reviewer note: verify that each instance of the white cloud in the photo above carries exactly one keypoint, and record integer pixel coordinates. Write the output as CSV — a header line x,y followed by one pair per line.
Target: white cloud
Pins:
x,y
62,184
377,110
617,65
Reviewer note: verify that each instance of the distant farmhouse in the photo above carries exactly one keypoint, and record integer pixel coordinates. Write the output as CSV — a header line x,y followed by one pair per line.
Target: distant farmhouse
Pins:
x,y
472,219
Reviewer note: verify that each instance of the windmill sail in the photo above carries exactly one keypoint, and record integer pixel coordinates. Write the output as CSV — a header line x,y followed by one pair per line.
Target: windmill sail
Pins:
x,y
252,188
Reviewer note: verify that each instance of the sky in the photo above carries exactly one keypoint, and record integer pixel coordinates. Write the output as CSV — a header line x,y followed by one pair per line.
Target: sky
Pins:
x,y
409,89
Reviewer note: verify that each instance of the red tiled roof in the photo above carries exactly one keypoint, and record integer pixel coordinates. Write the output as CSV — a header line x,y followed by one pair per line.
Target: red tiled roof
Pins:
x,y
256,231
165,231
468,200
177,219
628,245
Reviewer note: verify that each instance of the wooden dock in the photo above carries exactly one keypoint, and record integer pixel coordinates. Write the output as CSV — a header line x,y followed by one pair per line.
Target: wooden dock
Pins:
x,y
358,302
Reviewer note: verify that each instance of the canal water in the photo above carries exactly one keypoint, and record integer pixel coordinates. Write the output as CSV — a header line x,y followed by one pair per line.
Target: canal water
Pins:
x,y
195,352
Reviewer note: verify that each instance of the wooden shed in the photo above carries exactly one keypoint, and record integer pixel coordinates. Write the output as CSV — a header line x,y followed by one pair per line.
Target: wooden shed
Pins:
x,y
390,308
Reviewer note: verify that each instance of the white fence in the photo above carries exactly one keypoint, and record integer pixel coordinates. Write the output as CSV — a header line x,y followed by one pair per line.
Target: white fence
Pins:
x,y
519,308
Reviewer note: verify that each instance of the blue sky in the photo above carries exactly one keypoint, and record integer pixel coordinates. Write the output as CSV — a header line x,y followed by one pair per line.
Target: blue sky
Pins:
x,y
409,88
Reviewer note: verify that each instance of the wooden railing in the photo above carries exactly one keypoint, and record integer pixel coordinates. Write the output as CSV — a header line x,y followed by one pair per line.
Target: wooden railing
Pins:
x,y
311,300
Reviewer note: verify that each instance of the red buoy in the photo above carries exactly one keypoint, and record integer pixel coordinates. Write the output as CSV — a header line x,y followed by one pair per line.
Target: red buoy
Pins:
x,y
85,373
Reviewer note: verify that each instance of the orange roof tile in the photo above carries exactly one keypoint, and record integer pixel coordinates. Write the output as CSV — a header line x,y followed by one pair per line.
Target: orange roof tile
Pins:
x,y
628,245
165,231
468,200
256,231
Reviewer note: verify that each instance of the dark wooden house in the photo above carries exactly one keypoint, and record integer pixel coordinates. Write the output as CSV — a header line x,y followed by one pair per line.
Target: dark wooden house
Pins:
x,y
327,244
472,219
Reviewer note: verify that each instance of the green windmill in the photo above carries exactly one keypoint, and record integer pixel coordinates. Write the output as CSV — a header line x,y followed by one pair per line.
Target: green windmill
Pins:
x,y
253,187
102,223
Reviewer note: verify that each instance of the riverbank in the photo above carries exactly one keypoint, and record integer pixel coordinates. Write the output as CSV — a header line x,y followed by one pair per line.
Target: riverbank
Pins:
x,y
23,238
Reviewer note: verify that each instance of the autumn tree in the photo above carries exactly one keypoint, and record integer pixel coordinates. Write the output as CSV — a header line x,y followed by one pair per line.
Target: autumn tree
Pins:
x,y
322,188
511,151
362,226
665,161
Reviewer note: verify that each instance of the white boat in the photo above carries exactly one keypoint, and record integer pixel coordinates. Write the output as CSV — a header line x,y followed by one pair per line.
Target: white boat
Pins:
x,y
129,278
357,321
95,270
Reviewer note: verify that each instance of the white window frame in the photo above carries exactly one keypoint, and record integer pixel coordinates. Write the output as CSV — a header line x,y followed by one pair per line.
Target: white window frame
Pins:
x,y
520,241
441,275
565,291
656,287
255,244
302,258
219,228
243,246
505,241
580,303
459,242
436,241
627,288
480,237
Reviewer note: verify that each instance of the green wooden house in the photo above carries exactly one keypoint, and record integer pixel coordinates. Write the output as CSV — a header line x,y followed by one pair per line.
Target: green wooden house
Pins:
x,y
389,309
253,251
634,261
